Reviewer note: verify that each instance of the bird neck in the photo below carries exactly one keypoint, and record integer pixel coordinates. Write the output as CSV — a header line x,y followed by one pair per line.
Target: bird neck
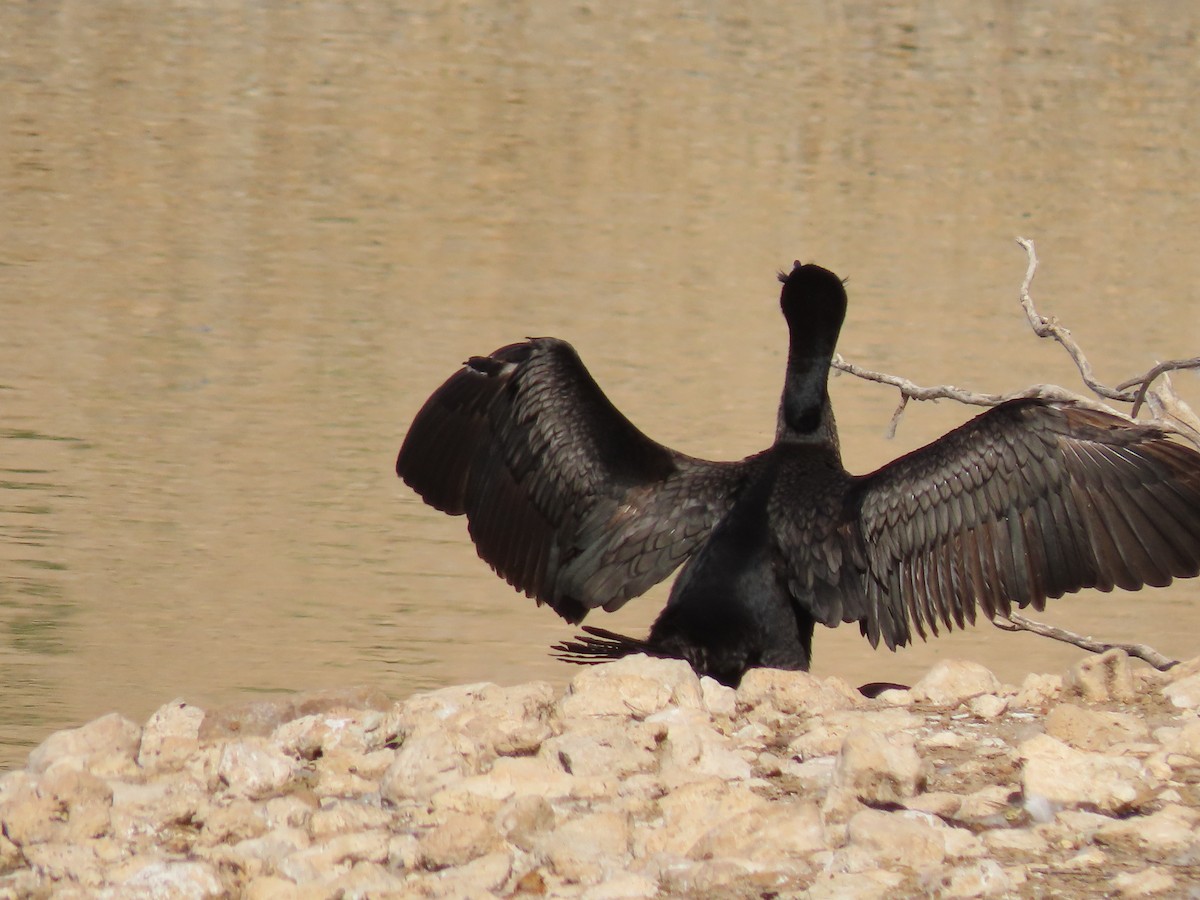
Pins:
x,y
805,413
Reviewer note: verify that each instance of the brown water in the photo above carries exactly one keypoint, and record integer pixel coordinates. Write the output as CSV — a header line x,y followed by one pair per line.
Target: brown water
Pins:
x,y
241,243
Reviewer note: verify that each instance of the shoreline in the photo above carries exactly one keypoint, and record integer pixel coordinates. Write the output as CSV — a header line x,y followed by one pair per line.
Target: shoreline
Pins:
x,y
637,780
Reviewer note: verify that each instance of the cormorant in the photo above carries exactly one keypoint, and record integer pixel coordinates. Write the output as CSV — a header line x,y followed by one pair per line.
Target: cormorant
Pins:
x,y
569,502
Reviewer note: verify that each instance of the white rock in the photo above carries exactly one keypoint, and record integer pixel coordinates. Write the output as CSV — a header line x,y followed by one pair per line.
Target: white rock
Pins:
x,y
254,768
1185,693
106,746
584,849
951,682
1101,678
878,768
902,839
183,880
607,747
766,834
171,736
1093,729
1062,777
633,687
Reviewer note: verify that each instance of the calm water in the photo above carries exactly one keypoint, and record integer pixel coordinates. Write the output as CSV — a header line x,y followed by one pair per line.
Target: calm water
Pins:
x,y
241,243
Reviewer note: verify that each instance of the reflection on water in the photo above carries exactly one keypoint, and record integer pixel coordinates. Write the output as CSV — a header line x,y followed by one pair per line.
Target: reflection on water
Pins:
x,y
240,244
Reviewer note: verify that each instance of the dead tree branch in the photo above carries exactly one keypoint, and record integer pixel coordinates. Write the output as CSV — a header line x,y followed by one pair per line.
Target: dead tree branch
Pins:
x,y
1168,411
1017,622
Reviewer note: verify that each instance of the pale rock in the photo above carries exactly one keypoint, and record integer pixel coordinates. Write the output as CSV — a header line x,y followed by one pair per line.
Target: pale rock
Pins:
x,y
688,812
1168,835
517,776
1038,691
340,816
1184,740
632,687
343,772
987,706
171,737
813,776
254,768
987,806
427,762
896,697
456,840
695,749
272,887
943,804
981,879
179,880
289,811
879,768
139,808
951,682
359,731
227,823
364,881
876,884
772,695
1098,679
1023,841
272,847
1093,729
403,851
1151,882
623,886
480,878
106,746
1184,693
524,819
825,736
1086,858
588,847
781,830
719,699
708,878
65,804
606,747
900,839
259,718
334,856
1061,776
945,740
66,863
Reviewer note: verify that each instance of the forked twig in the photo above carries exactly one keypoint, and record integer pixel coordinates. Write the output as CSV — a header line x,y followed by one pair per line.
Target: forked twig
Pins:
x,y
1017,622
1168,412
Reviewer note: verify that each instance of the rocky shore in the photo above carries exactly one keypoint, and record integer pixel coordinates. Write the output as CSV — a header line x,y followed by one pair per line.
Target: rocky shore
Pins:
x,y
639,780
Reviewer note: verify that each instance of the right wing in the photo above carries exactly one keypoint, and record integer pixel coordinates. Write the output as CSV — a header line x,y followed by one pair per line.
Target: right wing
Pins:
x,y
565,498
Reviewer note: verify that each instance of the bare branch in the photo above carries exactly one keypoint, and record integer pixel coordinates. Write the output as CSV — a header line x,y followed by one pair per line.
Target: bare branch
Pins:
x,y
1169,412
1017,622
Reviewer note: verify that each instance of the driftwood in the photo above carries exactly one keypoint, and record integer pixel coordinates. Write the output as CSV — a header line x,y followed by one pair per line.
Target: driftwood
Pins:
x,y
1167,411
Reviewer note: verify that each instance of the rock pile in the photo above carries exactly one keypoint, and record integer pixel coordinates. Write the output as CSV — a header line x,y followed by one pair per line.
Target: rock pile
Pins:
x,y
639,781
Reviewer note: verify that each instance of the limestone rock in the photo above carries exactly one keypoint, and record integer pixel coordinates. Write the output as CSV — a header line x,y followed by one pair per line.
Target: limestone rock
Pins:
x,y
770,694
951,682
633,687
1101,678
902,840
584,849
1184,693
254,768
877,768
457,840
1093,729
171,736
1063,777
107,746
770,832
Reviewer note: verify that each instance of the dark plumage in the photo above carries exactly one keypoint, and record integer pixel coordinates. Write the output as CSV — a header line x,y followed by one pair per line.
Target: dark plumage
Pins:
x,y
571,503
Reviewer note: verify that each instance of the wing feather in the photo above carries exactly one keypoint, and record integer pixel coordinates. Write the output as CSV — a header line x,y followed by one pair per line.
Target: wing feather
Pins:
x,y
1026,502
564,497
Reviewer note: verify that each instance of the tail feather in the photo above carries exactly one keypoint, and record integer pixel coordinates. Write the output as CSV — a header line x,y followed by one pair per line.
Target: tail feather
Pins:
x,y
599,646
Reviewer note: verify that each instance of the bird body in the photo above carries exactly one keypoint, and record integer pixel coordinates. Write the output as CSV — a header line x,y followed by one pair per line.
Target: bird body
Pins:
x,y
570,502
